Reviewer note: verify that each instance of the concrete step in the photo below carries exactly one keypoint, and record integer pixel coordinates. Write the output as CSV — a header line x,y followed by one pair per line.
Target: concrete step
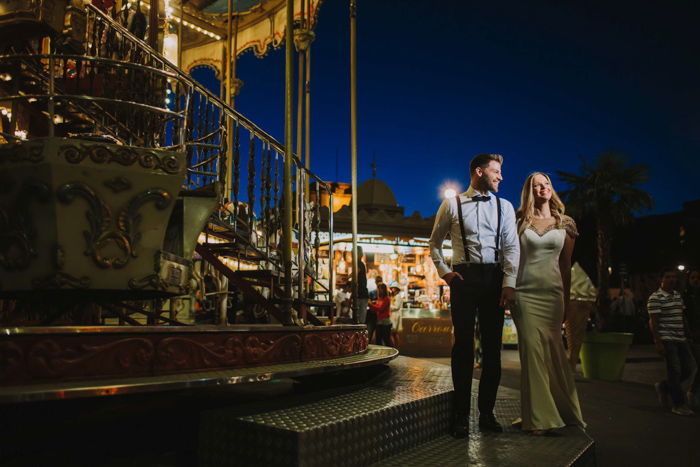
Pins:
x,y
407,406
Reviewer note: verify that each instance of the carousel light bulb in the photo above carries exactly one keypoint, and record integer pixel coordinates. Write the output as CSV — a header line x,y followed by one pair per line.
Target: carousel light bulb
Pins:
x,y
3,111
21,134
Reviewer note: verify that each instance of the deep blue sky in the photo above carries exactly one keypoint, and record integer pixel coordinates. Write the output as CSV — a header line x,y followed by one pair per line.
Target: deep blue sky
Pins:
x,y
540,82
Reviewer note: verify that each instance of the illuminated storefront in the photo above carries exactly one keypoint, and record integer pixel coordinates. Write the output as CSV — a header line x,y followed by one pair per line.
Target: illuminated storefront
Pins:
x,y
396,248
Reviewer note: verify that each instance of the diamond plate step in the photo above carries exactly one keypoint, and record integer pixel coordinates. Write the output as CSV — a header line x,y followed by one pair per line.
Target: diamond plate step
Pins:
x,y
569,446
407,407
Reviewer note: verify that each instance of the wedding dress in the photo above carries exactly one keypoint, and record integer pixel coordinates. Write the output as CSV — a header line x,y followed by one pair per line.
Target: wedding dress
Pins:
x,y
548,389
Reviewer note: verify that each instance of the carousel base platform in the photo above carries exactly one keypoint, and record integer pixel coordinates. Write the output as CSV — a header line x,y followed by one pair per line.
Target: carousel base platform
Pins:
x,y
401,418
375,355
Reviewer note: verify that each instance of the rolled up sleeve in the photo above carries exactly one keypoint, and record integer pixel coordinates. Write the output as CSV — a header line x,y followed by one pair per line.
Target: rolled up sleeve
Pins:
x,y
510,245
441,227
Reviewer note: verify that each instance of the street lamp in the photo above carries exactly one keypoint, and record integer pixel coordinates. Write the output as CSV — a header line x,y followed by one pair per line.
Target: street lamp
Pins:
x,y
681,267
450,193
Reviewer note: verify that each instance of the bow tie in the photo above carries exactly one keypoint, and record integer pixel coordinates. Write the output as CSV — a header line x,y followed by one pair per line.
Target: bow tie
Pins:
x,y
480,198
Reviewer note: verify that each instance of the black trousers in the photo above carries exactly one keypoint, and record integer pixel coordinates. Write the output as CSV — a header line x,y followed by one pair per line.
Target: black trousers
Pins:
x,y
477,295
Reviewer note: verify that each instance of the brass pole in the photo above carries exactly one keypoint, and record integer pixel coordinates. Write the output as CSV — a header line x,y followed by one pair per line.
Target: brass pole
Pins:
x,y
233,83
307,144
300,87
353,146
179,36
287,188
300,106
226,78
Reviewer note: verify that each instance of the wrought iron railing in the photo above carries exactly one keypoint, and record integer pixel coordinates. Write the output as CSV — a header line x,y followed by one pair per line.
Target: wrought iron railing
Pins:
x,y
121,90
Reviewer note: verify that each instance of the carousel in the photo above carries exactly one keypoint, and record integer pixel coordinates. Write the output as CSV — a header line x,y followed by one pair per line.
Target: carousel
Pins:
x,y
151,236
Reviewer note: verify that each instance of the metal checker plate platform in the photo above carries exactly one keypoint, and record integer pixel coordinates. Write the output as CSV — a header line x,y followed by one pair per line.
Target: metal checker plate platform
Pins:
x,y
399,418
568,446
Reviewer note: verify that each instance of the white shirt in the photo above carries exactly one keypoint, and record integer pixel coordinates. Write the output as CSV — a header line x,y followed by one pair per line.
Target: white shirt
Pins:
x,y
480,224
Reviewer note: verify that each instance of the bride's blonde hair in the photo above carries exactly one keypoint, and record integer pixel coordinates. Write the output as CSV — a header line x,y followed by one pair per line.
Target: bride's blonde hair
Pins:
x,y
526,211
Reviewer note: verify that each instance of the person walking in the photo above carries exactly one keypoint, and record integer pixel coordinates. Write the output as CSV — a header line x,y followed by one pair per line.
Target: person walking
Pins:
x,y
485,255
396,312
691,299
382,310
547,387
362,293
371,320
670,331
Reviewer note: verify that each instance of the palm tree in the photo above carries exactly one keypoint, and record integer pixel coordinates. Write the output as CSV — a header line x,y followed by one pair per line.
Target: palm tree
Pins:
x,y
607,190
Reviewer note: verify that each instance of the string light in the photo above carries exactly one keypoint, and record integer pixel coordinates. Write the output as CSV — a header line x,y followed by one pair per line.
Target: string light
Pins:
x,y
194,27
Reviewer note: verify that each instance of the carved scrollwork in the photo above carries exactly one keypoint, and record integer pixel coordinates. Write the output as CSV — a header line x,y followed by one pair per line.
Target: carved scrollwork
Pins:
x,y
104,154
100,218
185,353
49,358
153,281
17,230
333,344
262,349
21,152
129,217
11,361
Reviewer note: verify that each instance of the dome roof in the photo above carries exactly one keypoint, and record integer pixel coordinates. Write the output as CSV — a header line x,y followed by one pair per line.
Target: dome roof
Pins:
x,y
375,192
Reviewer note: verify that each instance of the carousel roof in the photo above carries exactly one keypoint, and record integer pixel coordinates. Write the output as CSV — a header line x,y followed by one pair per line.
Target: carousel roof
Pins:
x,y
239,6
260,26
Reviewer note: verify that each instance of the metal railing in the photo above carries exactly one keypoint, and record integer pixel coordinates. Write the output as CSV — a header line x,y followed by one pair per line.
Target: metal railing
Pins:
x,y
123,91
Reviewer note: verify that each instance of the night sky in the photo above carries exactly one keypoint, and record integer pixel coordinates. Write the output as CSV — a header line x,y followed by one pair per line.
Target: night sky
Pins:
x,y
539,82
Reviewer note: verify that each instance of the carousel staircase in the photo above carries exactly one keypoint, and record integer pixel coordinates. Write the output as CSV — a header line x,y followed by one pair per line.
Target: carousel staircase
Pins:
x,y
80,119
248,282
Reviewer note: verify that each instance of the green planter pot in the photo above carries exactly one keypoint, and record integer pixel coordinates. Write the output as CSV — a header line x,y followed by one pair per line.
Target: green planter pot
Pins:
x,y
603,354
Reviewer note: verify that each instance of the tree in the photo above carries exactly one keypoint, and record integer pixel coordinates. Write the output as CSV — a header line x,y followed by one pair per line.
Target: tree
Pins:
x,y
609,191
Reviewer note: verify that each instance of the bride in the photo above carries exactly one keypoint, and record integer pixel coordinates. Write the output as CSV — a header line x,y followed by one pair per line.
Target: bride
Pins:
x,y
547,237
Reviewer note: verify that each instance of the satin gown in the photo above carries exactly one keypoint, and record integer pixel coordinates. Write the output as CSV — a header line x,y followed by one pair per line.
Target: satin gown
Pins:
x,y
548,389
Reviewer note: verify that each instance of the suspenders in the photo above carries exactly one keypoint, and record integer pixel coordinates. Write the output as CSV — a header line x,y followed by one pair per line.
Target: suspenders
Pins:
x,y
464,236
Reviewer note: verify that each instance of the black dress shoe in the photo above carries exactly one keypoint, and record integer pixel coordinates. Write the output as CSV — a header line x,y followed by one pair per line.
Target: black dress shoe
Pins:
x,y
489,423
460,430
460,427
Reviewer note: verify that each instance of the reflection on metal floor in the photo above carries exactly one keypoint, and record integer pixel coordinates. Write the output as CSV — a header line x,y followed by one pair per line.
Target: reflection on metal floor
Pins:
x,y
400,418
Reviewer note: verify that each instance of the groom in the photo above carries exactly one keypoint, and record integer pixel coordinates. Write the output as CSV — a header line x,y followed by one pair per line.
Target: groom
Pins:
x,y
482,283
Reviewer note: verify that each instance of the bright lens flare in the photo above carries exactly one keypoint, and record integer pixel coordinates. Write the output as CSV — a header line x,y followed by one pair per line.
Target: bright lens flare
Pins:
x,y
449,189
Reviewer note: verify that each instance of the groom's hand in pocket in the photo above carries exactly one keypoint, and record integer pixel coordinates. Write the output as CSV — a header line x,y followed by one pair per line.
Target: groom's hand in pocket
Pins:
x,y
449,277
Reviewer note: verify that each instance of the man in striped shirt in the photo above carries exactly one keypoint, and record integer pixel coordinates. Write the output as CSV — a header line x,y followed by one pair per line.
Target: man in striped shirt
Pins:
x,y
669,329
